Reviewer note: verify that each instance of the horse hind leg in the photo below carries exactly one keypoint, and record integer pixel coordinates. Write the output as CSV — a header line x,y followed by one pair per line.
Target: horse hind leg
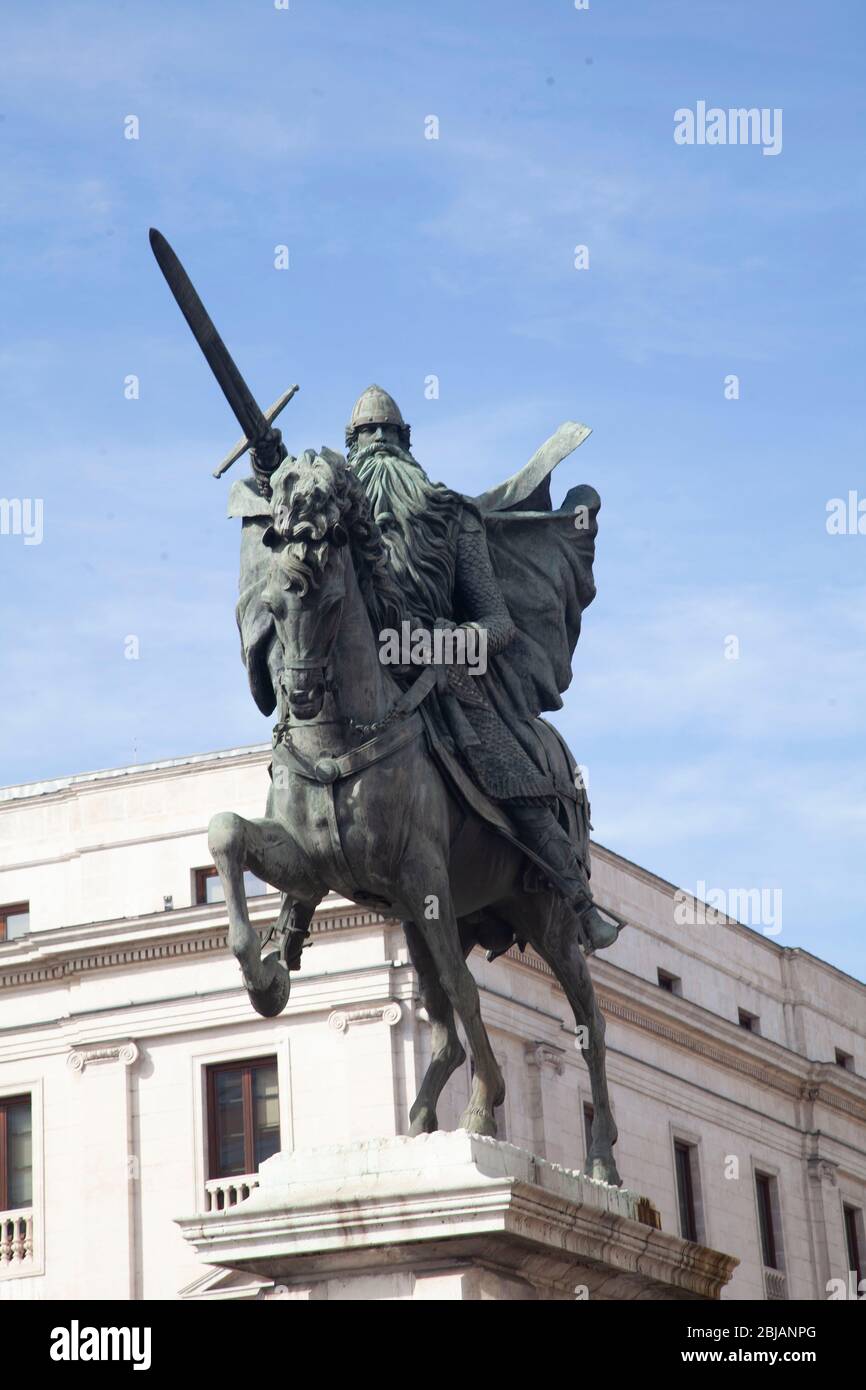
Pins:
x,y
565,958
551,928
447,1050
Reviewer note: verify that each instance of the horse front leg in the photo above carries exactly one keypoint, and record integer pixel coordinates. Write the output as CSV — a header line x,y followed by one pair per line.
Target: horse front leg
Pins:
x,y
265,847
447,1050
441,936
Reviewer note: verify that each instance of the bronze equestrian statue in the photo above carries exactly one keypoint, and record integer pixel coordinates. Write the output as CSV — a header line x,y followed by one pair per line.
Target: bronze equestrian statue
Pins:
x,y
429,789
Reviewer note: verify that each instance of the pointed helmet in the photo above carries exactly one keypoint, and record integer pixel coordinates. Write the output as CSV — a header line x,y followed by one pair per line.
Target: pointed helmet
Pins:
x,y
375,407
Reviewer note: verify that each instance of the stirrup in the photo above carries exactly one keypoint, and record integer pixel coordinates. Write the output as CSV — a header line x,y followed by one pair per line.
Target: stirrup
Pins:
x,y
589,948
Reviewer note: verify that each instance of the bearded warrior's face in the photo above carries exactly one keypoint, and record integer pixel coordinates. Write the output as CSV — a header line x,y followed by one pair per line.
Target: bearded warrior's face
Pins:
x,y
377,434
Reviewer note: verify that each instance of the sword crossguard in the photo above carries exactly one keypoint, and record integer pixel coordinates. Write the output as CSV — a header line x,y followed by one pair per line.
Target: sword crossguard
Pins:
x,y
243,444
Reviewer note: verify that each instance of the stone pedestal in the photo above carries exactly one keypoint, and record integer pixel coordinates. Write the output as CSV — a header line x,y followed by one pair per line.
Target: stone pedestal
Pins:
x,y
447,1216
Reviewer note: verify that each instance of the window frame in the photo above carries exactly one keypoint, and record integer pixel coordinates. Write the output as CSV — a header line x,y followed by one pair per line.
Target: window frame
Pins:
x,y
687,1202
6,1104
202,875
768,1217
246,1066
852,1224
13,910
200,878
670,983
680,1136
20,1089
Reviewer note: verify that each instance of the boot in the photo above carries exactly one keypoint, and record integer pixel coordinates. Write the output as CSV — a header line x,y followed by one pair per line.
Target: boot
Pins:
x,y
542,832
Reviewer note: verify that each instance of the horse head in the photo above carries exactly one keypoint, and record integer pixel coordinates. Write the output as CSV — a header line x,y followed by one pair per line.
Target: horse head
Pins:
x,y
306,586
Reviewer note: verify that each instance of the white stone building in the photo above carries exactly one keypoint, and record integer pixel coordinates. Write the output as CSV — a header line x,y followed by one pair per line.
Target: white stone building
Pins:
x,y
137,1085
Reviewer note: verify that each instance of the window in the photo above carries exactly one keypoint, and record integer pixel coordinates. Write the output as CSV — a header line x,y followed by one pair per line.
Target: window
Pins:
x,y
748,1021
243,1116
853,1221
14,921
684,1159
588,1117
16,1153
672,983
844,1059
209,889
767,1221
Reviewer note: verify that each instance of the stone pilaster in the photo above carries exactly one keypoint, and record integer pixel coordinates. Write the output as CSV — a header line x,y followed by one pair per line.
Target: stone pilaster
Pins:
x,y
544,1064
108,1179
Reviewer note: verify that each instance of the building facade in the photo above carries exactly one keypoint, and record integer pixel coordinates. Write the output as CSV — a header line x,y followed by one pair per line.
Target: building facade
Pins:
x,y
137,1085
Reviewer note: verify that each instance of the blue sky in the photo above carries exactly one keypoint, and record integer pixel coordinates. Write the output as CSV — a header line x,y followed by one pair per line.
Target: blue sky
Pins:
x,y
408,257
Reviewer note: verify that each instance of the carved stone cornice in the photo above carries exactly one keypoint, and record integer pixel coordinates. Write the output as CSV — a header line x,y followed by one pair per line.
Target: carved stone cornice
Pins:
x,y
131,953
64,962
126,1053
787,1083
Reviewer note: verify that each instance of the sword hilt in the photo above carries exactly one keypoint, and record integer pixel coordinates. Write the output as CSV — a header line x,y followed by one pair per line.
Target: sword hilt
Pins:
x,y
244,444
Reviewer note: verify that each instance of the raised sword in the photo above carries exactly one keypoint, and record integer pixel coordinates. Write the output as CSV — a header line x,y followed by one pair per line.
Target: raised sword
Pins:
x,y
257,424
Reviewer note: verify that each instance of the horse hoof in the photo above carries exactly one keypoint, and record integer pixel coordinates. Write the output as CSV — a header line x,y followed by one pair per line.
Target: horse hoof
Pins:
x,y
273,997
424,1122
478,1122
604,1170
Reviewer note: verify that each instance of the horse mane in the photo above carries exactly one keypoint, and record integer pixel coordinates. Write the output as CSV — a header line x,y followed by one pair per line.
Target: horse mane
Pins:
x,y
311,496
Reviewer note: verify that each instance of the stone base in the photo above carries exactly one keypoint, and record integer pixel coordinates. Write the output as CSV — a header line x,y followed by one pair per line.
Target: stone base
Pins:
x,y
447,1216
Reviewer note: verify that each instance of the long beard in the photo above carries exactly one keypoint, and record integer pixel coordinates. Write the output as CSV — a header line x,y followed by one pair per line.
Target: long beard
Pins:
x,y
417,520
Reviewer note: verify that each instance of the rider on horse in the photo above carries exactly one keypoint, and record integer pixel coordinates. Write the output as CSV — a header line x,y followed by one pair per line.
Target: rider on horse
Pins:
x,y
443,549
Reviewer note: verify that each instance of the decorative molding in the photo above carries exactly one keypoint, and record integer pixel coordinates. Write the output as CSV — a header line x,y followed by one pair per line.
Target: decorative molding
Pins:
x,y
649,1024
342,919
28,975
127,1052
531,961
822,1169
790,1086
389,1013
197,942
540,1055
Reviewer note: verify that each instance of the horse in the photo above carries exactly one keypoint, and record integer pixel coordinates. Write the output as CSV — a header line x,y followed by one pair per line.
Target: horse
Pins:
x,y
358,804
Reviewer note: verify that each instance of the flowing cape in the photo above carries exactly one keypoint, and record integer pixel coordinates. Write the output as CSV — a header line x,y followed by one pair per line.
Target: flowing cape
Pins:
x,y
543,560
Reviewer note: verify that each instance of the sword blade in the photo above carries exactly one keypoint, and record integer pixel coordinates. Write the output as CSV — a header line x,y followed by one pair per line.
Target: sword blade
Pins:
x,y
219,359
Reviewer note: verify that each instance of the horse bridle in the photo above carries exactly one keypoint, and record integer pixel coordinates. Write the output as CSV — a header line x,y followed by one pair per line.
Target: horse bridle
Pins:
x,y
307,663
406,704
